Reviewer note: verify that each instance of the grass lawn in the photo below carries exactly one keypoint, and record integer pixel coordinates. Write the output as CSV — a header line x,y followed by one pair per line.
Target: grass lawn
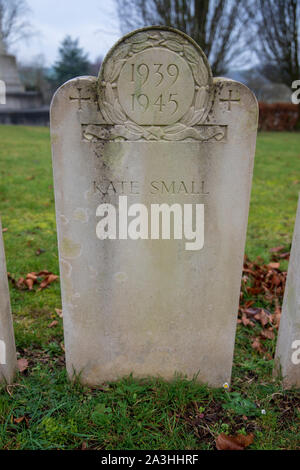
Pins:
x,y
44,411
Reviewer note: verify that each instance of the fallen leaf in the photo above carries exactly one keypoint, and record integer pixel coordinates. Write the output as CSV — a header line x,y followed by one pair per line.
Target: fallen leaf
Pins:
x,y
29,283
19,420
43,273
256,344
263,317
22,365
20,283
238,442
49,279
59,312
274,265
268,334
246,321
252,311
53,324
4,230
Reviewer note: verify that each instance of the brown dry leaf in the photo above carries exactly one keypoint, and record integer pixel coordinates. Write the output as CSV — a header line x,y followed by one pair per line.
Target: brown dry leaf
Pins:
x,y
43,273
22,365
238,442
276,320
263,317
256,344
246,321
48,280
19,420
53,324
59,312
4,230
274,265
276,280
245,441
285,255
277,315
252,311
268,334
20,283
29,283
254,290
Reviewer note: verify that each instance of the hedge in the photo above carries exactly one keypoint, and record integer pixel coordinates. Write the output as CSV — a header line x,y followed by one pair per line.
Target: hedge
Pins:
x,y
278,117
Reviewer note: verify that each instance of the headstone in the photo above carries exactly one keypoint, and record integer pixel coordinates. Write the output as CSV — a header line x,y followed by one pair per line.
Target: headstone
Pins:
x,y
152,166
8,360
287,356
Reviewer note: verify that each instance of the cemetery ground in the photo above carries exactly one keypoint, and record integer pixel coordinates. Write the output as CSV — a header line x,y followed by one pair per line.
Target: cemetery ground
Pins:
x,y
42,410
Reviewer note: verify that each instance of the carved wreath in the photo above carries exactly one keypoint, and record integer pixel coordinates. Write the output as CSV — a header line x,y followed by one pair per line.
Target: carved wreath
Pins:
x,y
110,105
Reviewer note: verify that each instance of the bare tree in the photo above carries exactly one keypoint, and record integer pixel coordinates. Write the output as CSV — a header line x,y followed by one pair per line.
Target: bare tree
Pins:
x,y
14,24
216,25
33,75
278,33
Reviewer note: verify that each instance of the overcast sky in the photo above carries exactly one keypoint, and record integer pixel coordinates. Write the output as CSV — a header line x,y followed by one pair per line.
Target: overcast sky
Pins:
x,y
95,22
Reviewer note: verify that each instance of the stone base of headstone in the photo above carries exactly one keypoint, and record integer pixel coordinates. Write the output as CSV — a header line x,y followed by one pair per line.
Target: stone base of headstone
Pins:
x,y
287,356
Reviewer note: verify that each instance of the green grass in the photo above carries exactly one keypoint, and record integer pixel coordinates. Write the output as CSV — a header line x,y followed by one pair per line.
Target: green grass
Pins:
x,y
276,186
133,414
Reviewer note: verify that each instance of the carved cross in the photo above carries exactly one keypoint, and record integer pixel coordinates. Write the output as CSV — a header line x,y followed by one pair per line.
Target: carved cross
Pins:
x,y
230,100
79,98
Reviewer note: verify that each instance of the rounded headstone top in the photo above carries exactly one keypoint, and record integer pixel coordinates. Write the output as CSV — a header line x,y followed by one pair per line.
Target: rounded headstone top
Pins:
x,y
156,76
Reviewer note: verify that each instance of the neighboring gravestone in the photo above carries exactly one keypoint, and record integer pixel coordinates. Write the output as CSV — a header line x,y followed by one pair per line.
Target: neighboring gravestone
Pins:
x,y
288,345
8,360
152,167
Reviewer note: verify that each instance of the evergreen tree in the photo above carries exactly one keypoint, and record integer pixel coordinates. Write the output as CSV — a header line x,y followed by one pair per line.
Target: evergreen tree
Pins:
x,y
72,62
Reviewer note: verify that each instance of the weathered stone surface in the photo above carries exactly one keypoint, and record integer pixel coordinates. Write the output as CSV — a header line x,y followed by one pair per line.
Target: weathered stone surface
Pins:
x,y
8,360
288,345
154,128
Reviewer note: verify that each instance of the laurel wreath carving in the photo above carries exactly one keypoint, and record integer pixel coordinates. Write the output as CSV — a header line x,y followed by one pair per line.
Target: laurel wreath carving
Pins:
x,y
110,106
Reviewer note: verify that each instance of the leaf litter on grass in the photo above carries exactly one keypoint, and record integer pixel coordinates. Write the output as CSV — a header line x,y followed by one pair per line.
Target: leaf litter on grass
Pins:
x,y
42,279
263,284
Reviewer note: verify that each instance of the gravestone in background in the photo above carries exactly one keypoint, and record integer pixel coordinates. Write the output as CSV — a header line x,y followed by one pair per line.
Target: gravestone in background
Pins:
x,y
288,344
153,165
8,359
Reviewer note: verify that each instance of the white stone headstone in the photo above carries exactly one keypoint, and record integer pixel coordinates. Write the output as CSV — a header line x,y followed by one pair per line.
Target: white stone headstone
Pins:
x,y
287,356
145,293
8,359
